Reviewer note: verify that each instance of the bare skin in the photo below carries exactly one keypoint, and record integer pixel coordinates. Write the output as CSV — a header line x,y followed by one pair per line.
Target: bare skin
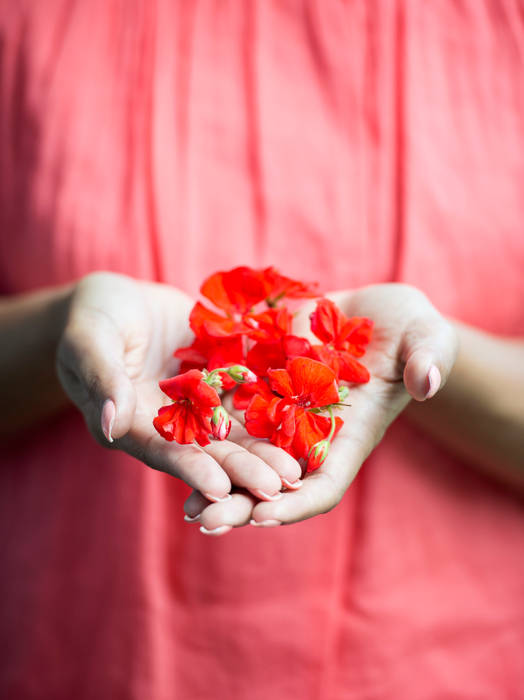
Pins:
x,y
114,338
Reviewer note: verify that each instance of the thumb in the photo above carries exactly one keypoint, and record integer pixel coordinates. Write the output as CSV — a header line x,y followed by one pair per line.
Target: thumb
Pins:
x,y
90,365
429,349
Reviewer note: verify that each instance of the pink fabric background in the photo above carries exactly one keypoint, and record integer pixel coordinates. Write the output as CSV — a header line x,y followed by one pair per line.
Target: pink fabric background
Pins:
x,y
350,142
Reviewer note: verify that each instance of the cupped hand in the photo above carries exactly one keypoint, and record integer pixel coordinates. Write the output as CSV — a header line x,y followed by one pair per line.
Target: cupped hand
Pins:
x,y
117,344
411,354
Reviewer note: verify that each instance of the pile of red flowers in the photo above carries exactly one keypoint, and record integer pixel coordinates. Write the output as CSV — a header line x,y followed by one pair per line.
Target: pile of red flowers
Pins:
x,y
285,384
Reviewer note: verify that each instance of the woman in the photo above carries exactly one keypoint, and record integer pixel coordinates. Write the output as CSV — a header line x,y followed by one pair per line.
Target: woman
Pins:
x,y
351,144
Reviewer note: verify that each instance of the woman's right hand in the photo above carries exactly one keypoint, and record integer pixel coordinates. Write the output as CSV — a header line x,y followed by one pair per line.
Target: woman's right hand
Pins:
x,y
117,344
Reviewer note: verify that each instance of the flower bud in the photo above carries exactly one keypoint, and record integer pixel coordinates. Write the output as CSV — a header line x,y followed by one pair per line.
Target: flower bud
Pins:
x,y
343,393
212,378
220,423
317,455
241,374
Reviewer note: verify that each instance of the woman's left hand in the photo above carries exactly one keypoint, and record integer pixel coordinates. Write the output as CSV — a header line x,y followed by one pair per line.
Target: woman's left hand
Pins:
x,y
411,354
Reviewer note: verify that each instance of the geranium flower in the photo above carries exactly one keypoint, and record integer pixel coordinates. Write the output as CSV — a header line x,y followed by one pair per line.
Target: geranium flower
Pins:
x,y
288,420
344,339
306,383
188,418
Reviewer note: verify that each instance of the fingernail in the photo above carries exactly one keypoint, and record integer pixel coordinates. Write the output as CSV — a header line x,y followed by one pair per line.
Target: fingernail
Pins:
x,y
108,418
215,499
434,380
265,523
293,485
191,518
217,531
265,496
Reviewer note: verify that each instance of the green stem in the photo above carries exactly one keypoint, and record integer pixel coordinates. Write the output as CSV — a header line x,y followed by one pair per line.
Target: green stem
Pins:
x,y
333,425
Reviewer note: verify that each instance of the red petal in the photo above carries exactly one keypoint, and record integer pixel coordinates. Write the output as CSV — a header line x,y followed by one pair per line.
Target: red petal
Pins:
x,y
258,417
280,382
312,428
287,421
327,320
164,421
213,289
351,370
314,380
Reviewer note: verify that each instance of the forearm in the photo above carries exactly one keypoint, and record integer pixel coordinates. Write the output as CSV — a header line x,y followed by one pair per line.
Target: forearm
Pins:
x,y
30,328
479,414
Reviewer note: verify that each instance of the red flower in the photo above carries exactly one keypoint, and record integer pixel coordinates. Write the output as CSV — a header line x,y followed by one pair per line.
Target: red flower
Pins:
x,y
334,328
188,418
287,421
306,383
344,339
291,427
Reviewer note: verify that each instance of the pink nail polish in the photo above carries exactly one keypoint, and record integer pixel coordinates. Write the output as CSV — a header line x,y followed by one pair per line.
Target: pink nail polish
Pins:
x,y
108,418
265,496
265,523
215,499
217,531
293,485
434,380
191,518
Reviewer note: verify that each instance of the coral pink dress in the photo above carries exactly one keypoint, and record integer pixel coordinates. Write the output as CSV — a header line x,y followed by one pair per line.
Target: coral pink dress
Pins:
x,y
349,142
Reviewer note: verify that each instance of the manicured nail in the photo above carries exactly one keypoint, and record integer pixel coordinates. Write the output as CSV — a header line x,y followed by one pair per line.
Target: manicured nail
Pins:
x,y
215,499
191,518
293,485
108,418
265,496
434,380
217,531
265,523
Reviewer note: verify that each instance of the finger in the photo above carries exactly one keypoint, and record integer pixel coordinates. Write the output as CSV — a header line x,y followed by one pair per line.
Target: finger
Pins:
x,y
321,491
219,518
187,462
244,468
429,349
90,364
194,505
